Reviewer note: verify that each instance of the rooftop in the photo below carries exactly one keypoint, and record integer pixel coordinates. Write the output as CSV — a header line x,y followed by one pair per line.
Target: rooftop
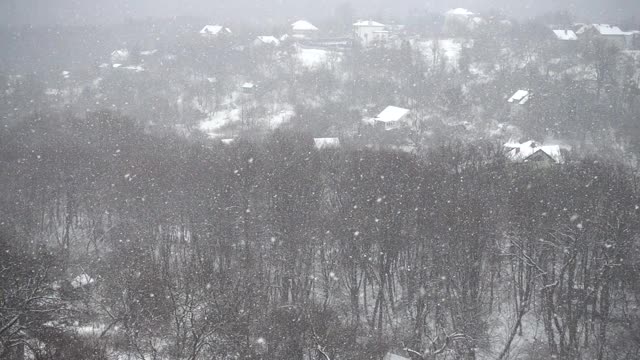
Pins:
x,y
521,97
269,40
459,11
606,29
303,25
391,114
371,23
214,30
522,151
565,35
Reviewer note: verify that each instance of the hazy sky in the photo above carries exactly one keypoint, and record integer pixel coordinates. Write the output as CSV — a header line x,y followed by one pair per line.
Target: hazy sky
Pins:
x,y
114,11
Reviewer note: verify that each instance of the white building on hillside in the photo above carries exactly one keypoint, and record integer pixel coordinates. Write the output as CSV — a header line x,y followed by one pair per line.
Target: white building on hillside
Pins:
x,y
303,29
369,32
459,20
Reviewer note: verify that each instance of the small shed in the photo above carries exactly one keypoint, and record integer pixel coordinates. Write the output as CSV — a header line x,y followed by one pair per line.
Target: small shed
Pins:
x,y
248,88
521,97
392,117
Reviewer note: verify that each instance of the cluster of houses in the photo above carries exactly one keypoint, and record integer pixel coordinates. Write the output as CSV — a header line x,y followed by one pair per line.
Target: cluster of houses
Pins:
x,y
371,33
625,40
365,32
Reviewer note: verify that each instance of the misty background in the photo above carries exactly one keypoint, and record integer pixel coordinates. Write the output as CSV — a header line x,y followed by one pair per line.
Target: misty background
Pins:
x,y
88,12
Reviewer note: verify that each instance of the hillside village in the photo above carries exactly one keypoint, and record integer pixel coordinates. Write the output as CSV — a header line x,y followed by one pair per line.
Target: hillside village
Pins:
x,y
457,80
451,185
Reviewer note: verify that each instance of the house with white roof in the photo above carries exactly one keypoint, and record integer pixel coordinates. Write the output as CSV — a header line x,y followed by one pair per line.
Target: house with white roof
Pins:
x,y
392,117
369,32
518,102
266,40
613,34
460,19
248,88
303,29
213,31
565,35
532,152
326,143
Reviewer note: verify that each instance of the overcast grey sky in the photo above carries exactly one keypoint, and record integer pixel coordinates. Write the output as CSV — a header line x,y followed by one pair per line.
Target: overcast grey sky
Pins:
x,y
114,11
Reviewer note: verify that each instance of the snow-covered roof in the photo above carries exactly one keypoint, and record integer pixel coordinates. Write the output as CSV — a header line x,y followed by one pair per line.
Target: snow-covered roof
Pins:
x,y
392,114
604,30
565,35
369,23
272,40
459,11
303,25
392,356
521,97
214,30
608,30
326,143
523,151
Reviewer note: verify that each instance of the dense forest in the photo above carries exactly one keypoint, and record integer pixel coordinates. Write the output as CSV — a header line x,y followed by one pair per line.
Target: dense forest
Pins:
x,y
126,243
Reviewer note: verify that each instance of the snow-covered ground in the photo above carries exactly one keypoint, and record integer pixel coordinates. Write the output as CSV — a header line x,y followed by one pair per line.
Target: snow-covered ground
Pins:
x,y
449,49
315,58
215,121
281,117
